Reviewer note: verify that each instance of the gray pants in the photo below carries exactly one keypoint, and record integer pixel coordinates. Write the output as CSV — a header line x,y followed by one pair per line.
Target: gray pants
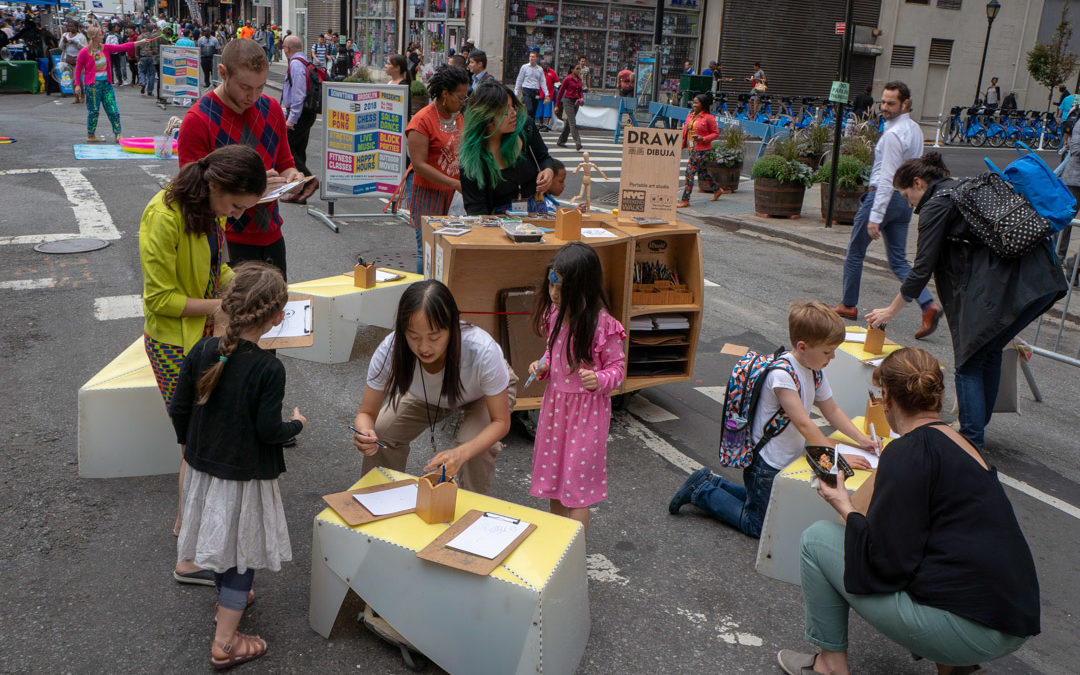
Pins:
x,y
398,426
569,107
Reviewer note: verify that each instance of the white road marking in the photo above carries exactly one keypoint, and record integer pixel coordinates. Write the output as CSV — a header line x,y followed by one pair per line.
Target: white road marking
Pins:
x,y
715,393
27,284
91,215
161,178
647,411
599,568
658,445
710,283
727,632
117,307
693,617
1049,500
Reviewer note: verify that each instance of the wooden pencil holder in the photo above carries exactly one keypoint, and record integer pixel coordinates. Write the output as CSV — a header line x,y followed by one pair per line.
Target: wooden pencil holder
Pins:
x,y
875,414
568,224
435,501
364,275
875,340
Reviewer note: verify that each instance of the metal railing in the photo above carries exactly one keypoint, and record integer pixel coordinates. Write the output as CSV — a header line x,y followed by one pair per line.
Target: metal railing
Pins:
x,y
1061,345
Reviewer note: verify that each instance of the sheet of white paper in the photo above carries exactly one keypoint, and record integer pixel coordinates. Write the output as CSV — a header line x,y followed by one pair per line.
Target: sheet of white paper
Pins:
x,y
855,337
849,450
596,232
488,536
874,362
280,191
893,434
389,501
297,321
383,275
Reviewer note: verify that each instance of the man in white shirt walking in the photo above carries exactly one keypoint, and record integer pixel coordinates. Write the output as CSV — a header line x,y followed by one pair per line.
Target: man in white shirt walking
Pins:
x,y
531,83
882,211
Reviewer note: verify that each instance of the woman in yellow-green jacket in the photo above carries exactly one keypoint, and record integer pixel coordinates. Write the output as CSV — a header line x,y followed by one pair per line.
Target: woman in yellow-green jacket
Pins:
x,y
181,246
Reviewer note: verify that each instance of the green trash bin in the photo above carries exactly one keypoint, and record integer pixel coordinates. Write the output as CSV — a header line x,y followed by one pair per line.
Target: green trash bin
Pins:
x,y
19,76
692,85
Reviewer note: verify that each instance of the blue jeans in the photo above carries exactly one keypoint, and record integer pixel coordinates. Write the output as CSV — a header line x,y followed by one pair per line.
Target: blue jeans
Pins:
x,y
978,378
233,588
894,229
147,73
741,506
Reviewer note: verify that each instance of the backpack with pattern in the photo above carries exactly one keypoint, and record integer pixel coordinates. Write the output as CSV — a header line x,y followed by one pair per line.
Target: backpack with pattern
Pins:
x,y
737,448
1003,220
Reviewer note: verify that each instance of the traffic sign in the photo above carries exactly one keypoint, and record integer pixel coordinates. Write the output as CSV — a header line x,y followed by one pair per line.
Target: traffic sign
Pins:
x,y
840,28
839,92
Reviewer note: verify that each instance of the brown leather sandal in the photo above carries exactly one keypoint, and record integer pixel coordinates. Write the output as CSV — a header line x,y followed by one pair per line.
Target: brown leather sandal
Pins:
x,y
235,658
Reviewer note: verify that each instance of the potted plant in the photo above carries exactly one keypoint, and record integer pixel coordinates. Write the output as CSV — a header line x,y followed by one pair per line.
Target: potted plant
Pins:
x,y
812,143
418,93
852,176
725,161
780,181
359,74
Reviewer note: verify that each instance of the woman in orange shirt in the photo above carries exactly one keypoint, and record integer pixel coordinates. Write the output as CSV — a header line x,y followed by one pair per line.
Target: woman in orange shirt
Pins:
x,y
433,135
699,132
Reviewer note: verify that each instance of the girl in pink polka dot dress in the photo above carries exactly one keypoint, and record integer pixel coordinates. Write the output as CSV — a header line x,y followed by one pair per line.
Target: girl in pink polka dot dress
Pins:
x,y
584,360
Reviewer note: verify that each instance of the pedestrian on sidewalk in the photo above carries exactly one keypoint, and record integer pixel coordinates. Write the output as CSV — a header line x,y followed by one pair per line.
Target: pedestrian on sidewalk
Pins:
x,y
71,43
531,83
208,48
114,37
698,134
298,118
570,97
546,112
133,56
883,212
988,300
93,80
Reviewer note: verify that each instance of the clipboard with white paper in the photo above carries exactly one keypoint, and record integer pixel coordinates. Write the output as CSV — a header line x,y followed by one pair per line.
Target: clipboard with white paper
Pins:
x,y
488,535
297,321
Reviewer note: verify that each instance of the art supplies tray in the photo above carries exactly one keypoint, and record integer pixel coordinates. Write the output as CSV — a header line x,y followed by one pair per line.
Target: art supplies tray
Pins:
x,y
662,293
814,456
523,233
354,513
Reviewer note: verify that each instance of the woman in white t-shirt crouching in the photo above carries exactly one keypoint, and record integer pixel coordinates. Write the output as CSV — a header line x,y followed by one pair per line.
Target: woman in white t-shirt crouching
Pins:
x,y
461,368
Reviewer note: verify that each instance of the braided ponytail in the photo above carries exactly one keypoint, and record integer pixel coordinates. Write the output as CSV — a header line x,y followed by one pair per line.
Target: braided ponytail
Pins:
x,y
251,299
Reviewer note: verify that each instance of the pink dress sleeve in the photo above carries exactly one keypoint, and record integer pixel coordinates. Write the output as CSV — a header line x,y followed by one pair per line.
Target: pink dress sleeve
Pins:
x,y
549,321
608,356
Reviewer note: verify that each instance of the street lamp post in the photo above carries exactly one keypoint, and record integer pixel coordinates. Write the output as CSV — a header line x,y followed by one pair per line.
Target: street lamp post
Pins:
x,y
992,9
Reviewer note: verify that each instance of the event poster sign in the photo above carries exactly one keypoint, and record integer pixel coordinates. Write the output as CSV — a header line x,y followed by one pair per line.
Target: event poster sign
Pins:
x,y
650,173
179,73
365,138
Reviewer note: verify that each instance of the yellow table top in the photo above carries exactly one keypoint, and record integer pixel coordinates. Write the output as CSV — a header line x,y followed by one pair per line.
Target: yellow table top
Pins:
x,y
533,561
800,468
128,370
340,284
856,348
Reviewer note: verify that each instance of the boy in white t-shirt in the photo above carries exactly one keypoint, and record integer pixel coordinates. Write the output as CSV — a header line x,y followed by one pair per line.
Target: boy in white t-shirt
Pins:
x,y
816,332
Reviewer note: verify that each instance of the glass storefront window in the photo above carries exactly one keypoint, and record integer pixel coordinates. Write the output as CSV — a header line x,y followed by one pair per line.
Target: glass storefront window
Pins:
x,y
376,31
437,26
608,33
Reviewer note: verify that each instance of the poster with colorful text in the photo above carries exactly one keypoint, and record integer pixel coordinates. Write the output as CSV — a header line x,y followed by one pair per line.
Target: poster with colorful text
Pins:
x,y
179,73
365,138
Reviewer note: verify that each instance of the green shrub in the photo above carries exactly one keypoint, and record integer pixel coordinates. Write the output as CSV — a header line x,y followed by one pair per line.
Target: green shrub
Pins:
x,y
359,74
728,149
814,139
787,147
859,148
783,170
418,88
850,173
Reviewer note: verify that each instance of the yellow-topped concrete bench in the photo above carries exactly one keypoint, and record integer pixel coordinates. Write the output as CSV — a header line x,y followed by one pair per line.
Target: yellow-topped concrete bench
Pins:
x,y
849,373
123,427
339,307
530,615
793,507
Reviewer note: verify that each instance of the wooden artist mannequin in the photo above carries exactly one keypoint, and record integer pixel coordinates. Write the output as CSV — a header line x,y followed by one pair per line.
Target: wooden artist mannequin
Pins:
x,y
587,166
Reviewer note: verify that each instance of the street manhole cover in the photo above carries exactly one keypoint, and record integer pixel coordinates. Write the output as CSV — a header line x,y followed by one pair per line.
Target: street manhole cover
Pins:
x,y
71,246
393,258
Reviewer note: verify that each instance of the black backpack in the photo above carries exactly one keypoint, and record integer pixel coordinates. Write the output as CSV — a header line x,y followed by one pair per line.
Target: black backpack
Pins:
x,y
316,75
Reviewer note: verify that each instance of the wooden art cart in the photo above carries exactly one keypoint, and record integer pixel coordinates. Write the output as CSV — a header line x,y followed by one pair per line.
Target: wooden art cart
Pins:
x,y
494,280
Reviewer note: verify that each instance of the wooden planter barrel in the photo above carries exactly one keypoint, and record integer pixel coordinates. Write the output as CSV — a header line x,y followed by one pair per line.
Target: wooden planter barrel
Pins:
x,y
847,204
775,199
727,177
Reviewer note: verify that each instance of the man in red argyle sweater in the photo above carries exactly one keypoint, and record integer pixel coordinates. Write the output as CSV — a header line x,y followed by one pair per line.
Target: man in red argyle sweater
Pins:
x,y
237,112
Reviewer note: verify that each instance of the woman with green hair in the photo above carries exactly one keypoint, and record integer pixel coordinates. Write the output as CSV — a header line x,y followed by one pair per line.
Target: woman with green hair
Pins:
x,y
503,159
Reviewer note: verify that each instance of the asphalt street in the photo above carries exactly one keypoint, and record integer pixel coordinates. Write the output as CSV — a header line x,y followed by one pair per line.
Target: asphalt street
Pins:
x,y
86,580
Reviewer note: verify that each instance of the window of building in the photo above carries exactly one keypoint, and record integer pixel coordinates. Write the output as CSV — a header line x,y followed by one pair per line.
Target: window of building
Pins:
x,y
949,4
609,34
376,31
903,56
940,51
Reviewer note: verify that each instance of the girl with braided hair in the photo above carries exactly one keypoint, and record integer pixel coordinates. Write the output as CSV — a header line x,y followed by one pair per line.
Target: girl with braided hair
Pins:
x,y
181,250
227,415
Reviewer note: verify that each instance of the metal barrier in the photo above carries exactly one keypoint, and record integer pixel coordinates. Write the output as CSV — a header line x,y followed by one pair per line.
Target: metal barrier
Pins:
x,y
1059,347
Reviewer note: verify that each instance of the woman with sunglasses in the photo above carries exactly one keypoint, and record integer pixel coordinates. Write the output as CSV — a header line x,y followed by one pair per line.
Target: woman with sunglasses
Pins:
x,y
433,135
